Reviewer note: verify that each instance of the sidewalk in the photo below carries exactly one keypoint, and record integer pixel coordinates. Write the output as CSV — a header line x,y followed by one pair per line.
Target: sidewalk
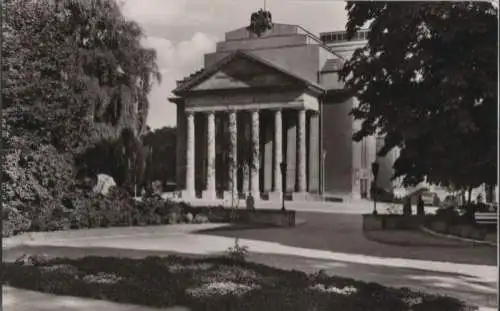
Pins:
x,y
181,239
24,300
475,284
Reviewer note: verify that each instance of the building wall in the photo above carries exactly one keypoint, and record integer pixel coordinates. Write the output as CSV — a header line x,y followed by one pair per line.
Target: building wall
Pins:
x,y
278,30
337,143
301,60
290,48
260,43
330,80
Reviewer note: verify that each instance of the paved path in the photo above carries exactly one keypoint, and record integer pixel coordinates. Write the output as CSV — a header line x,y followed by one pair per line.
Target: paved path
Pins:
x,y
15,299
468,279
343,233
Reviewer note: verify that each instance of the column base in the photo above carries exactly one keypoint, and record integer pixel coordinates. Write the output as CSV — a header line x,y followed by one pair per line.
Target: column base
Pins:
x,y
188,194
300,196
230,197
276,196
209,195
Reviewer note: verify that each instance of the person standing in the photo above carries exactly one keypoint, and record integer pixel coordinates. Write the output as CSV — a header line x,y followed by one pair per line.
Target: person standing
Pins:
x,y
420,206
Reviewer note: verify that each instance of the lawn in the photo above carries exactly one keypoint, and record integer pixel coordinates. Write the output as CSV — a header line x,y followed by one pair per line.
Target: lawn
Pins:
x,y
212,284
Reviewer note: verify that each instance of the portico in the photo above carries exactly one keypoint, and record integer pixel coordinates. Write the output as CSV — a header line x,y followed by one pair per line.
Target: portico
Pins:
x,y
266,164
260,101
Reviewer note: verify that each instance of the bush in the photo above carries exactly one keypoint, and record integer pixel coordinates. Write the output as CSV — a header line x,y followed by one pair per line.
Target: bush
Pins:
x,y
213,284
200,219
14,222
238,252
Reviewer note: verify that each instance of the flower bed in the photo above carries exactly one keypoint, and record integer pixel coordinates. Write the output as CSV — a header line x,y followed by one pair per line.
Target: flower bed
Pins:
x,y
212,284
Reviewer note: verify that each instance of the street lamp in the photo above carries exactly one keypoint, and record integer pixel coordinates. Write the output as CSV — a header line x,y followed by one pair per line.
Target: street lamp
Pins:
x,y
323,174
283,172
375,167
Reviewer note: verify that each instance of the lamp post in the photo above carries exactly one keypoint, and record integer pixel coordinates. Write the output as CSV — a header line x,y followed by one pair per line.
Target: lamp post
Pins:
x,y
283,171
375,167
323,159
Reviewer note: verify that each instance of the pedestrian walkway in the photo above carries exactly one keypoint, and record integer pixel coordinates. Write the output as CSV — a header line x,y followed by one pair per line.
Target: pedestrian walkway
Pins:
x,y
188,242
473,283
14,299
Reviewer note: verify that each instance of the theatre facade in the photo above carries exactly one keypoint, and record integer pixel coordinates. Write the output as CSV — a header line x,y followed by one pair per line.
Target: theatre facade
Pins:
x,y
267,115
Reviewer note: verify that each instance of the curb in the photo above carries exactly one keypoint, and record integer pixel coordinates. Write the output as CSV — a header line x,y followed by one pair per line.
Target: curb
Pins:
x,y
454,237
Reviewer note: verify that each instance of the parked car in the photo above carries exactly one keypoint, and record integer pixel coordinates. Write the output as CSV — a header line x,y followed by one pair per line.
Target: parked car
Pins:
x,y
430,198
449,201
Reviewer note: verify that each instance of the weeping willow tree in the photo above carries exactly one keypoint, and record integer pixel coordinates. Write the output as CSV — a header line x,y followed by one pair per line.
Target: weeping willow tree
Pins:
x,y
74,74
74,71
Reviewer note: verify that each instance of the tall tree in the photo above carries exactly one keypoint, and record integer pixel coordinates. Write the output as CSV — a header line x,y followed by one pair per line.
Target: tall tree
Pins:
x,y
74,73
160,150
427,81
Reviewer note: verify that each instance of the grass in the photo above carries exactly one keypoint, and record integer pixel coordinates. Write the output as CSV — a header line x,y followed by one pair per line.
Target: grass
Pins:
x,y
213,284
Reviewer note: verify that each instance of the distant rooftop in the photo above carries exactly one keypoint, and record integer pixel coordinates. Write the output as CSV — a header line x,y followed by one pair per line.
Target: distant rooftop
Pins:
x,y
341,36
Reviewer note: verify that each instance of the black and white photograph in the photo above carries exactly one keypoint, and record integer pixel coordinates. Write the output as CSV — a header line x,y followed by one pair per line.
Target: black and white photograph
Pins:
x,y
265,155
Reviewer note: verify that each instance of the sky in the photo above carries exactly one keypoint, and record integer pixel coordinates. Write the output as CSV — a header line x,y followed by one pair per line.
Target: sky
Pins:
x,y
182,31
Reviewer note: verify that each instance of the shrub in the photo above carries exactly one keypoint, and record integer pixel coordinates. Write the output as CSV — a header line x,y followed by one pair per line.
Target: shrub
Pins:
x,y
449,215
238,252
213,284
201,219
14,222
189,218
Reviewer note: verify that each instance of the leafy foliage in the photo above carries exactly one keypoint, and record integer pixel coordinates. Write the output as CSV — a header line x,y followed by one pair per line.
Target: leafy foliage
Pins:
x,y
75,74
213,284
237,252
427,81
74,69
123,159
160,151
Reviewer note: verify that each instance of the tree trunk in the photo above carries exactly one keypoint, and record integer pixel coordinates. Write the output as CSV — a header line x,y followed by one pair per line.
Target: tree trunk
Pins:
x,y
489,193
469,195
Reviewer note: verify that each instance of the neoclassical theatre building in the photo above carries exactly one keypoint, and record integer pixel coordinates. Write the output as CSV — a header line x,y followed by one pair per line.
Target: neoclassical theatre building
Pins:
x,y
270,98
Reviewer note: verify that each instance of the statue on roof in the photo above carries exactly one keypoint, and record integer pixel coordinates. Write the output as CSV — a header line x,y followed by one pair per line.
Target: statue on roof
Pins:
x,y
260,21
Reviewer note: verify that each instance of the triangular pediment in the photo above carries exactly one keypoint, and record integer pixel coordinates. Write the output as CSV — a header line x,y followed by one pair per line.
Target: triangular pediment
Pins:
x,y
241,71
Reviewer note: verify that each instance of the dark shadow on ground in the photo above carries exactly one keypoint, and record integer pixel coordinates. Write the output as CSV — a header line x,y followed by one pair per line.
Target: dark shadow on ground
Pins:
x,y
343,233
415,239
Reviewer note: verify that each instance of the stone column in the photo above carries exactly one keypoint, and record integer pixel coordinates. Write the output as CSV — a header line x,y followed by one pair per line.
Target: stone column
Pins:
x,y
255,167
267,150
232,195
189,192
302,187
301,161
278,157
209,193
291,151
314,155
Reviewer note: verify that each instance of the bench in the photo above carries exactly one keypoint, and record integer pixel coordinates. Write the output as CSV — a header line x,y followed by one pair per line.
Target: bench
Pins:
x,y
486,218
